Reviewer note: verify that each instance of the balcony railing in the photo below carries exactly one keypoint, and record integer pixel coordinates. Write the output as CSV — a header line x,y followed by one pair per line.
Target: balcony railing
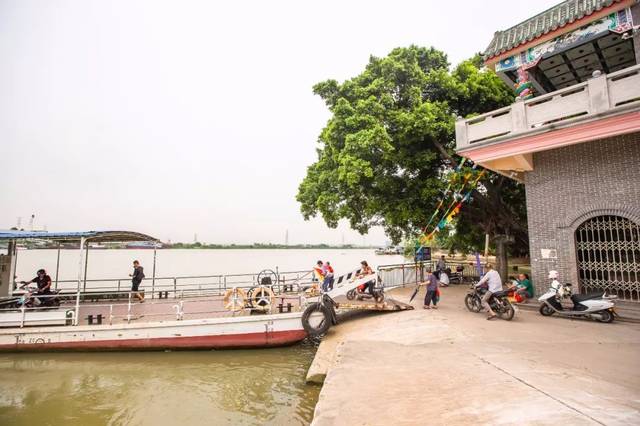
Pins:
x,y
606,94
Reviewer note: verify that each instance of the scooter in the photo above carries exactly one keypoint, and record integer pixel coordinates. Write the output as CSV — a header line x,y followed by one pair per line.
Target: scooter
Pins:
x,y
31,298
597,306
375,292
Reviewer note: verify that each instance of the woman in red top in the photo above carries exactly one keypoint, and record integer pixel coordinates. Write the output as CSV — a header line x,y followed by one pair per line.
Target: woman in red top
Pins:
x,y
364,271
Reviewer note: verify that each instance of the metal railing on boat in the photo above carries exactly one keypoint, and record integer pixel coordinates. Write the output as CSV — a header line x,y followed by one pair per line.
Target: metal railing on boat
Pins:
x,y
287,281
178,292
69,312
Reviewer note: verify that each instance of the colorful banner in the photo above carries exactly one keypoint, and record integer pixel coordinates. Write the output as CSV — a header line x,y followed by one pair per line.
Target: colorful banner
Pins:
x,y
453,210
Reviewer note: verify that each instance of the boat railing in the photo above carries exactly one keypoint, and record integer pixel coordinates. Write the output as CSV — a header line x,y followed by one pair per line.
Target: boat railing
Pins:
x,y
289,281
402,274
112,306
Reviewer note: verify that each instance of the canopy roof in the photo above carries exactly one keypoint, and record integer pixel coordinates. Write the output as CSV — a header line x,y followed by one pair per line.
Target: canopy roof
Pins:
x,y
551,19
93,236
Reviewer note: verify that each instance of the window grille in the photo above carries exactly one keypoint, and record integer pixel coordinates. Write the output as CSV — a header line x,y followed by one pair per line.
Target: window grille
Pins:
x,y
608,255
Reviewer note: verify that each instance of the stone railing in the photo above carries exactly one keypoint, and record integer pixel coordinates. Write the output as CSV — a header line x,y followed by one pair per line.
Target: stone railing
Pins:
x,y
601,95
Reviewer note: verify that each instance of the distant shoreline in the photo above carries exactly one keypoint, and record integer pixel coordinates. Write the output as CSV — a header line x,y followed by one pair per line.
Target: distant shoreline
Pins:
x,y
214,247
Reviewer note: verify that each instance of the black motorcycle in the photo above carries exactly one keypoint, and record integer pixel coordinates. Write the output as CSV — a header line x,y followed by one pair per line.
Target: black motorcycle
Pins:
x,y
499,302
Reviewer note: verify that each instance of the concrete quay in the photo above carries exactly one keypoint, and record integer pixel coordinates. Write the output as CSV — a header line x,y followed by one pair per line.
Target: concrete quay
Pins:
x,y
452,367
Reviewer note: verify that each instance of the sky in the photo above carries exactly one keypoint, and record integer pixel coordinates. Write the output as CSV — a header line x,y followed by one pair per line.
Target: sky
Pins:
x,y
185,119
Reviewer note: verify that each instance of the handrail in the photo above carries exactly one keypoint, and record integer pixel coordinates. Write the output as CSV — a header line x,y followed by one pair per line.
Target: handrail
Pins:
x,y
611,93
177,283
178,303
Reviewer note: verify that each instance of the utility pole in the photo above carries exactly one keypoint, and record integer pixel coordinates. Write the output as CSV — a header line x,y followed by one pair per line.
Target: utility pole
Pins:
x,y
33,216
286,238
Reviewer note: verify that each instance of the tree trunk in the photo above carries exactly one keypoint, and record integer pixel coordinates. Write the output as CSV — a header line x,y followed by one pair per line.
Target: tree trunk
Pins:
x,y
501,256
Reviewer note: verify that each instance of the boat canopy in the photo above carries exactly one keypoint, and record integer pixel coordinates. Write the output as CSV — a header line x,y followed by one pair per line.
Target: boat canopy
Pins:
x,y
67,237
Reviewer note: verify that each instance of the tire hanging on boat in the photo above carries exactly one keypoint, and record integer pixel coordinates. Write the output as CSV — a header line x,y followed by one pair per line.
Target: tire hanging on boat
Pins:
x,y
261,298
324,324
235,299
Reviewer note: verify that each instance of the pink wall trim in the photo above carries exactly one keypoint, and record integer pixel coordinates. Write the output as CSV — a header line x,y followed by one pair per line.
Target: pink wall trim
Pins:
x,y
599,129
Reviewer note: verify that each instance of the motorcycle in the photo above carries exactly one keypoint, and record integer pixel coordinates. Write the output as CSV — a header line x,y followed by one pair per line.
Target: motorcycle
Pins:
x,y
597,306
31,298
499,302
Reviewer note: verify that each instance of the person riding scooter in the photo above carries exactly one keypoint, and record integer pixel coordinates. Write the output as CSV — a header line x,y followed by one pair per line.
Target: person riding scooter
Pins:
x,y
492,278
364,271
43,281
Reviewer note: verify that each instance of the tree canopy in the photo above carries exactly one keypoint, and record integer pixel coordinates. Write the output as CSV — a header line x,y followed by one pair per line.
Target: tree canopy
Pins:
x,y
387,152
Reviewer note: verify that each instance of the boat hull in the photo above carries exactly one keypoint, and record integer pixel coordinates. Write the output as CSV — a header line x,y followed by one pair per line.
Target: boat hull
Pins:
x,y
215,333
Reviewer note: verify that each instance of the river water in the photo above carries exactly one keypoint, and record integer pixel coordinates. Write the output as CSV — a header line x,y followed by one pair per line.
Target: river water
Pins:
x,y
243,387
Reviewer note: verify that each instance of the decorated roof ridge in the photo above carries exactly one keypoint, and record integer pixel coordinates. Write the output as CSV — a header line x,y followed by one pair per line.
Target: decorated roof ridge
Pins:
x,y
551,19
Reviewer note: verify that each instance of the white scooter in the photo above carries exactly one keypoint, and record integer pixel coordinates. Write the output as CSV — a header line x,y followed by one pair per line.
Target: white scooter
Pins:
x,y
597,306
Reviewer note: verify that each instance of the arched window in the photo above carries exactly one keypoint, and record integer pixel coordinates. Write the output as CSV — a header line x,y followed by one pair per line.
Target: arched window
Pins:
x,y
608,255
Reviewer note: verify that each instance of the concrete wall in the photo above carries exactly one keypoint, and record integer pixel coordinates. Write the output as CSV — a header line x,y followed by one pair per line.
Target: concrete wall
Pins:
x,y
570,185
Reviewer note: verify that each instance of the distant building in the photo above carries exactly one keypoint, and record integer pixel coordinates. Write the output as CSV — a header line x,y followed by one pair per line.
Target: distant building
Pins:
x,y
573,138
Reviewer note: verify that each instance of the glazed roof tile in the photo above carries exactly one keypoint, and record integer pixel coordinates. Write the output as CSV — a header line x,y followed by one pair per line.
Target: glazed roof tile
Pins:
x,y
551,19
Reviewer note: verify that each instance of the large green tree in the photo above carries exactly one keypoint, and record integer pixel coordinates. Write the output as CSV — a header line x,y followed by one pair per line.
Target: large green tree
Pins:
x,y
387,152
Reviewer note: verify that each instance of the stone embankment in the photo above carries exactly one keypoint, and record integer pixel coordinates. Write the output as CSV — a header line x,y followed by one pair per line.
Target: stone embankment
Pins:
x,y
450,366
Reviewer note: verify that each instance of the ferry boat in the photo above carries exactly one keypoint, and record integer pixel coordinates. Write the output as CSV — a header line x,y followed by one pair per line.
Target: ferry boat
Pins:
x,y
214,312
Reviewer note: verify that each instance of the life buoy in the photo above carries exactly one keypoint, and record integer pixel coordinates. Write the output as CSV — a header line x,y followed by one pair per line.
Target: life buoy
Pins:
x,y
316,319
261,298
235,299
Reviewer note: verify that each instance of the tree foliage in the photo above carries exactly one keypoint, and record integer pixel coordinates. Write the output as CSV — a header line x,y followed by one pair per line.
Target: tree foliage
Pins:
x,y
385,153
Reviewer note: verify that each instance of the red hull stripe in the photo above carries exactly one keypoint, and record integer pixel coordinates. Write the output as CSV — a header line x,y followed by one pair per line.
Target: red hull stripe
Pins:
x,y
232,341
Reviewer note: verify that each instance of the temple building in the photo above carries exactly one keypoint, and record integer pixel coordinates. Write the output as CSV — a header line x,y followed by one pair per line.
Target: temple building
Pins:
x,y
572,136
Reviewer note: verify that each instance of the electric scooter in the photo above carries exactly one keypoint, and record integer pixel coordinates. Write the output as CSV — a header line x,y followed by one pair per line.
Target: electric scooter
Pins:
x,y
31,298
597,306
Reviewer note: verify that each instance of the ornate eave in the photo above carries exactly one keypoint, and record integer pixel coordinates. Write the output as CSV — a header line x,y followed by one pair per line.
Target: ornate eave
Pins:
x,y
562,18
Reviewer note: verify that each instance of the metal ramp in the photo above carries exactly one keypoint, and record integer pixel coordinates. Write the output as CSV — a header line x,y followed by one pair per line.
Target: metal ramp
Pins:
x,y
345,283
388,305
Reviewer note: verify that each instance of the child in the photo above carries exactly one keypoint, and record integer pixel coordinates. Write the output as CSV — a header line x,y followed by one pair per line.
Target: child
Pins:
x,y
432,290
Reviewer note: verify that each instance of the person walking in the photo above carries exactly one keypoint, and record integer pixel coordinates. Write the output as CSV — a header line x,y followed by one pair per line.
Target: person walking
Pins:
x,y
492,278
136,279
432,290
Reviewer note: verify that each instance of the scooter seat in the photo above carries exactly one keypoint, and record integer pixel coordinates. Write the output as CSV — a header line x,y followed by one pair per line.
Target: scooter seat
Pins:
x,y
577,298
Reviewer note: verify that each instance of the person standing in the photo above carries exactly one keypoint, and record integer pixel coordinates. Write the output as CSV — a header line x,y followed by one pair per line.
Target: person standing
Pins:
x,y
327,284
136,279
432,289
441,266
492,278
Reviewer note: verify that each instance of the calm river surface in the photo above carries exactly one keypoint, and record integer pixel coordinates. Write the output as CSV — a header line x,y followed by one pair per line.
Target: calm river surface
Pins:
x,y
245,387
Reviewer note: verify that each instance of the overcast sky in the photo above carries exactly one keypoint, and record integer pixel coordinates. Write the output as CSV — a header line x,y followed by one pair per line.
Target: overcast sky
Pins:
x,y
181,117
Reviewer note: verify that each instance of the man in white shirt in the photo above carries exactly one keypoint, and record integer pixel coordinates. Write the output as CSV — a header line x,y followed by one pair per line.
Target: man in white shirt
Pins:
x,y
492,278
